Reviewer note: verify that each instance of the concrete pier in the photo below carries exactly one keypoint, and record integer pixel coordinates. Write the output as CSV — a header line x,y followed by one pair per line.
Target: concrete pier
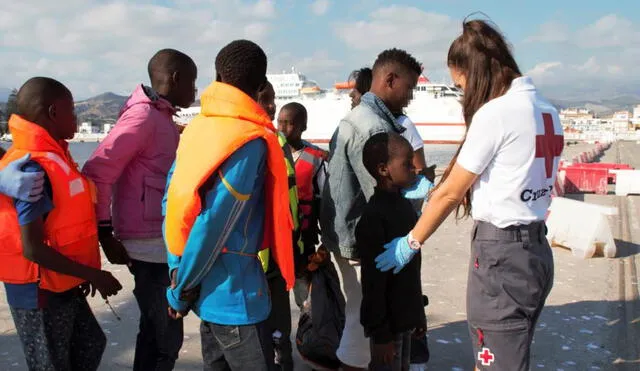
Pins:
x,y
591,321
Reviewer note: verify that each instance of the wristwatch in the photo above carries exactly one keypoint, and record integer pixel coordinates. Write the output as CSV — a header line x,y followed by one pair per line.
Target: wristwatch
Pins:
x,y
413,243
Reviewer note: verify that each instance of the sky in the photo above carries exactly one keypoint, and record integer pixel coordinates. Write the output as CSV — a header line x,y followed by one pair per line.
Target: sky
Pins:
x,y
571,48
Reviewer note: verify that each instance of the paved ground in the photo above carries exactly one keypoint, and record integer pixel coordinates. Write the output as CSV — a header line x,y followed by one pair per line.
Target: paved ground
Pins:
x,y
591,322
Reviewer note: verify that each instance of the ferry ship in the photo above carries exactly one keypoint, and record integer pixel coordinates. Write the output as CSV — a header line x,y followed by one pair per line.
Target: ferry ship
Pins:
x,y
435,109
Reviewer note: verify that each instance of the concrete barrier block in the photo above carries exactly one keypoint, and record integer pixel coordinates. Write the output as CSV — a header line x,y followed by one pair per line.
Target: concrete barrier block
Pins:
x,y
627,182
559,186
581,227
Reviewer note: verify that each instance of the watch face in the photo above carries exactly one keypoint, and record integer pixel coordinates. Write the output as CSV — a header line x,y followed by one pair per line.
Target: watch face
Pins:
x,y
414,244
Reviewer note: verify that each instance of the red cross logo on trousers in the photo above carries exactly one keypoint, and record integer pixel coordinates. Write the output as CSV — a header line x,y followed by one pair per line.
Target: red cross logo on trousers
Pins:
x,y
486,357
549,145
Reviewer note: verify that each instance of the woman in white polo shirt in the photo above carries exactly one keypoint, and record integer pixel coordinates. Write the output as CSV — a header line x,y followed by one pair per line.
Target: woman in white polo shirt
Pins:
x,y
502,176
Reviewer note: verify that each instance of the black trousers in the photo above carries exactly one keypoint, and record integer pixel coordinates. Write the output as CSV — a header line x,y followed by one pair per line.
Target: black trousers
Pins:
x,y
280,320
159,337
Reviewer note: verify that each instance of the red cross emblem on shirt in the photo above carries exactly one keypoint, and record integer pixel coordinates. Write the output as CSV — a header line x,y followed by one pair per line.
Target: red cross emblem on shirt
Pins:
x,y
549,145
486,357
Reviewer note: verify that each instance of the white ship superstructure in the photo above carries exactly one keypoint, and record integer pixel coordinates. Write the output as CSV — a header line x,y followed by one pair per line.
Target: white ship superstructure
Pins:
x,y
435,108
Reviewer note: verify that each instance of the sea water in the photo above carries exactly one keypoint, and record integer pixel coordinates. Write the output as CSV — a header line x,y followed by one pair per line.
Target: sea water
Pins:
x,y
439,154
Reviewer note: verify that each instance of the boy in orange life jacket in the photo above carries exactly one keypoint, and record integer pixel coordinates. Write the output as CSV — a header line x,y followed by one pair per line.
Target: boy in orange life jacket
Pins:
x,y
310,169
50,257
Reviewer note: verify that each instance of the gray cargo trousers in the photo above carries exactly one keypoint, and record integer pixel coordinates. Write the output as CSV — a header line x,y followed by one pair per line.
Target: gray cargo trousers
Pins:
x,y
510,277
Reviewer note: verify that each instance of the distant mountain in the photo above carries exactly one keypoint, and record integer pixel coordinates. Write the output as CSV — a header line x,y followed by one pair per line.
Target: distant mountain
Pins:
x,y
101,109
602,107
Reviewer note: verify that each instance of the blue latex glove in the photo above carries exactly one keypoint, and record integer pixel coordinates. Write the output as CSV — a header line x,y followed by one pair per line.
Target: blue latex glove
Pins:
x,y
15,183
398,255
419,190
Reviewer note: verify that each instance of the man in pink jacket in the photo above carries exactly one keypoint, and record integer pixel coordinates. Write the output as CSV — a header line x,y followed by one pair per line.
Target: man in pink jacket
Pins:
x,y
130,170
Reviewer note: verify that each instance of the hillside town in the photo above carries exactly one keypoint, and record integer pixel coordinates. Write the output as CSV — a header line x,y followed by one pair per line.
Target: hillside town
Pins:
x,y
584,124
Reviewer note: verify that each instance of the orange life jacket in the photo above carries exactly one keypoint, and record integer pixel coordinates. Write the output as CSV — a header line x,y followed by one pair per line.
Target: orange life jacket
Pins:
x,y
70,228
307,166
229,119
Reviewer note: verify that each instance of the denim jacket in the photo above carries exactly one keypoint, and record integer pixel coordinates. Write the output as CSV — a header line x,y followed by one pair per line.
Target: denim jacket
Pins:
x,y
349,185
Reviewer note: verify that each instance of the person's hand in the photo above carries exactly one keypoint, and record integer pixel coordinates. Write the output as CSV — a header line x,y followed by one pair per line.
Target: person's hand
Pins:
x,y
430,173
24,186
179,127
189,296
114,250
383,353
398,254
419,190
88,289
177,314
105,283
420,331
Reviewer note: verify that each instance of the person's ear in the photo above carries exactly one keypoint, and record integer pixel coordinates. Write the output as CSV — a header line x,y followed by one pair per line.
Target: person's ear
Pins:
x,y
175,77
383,170
262,86
390,79
52,112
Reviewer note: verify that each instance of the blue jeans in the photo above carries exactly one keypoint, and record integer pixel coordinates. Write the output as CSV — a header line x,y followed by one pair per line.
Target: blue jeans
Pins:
x,y
231,348
159,337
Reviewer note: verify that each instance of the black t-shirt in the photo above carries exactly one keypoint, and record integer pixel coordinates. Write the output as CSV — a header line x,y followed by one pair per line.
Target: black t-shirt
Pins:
x,y
392,303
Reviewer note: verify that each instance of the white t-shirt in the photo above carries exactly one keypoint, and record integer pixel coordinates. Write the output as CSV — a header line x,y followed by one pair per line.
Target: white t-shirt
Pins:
x,y
514,143
411,134
150,250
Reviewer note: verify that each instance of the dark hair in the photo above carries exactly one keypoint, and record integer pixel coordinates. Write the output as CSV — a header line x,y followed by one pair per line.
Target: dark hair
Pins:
x,y
243,64
377,150
299,112
265,88
37,94
484,57
363,78
397,56
165,62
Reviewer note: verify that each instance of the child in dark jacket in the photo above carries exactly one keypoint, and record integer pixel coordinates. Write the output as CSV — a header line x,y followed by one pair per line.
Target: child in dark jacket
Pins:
x,y
392,306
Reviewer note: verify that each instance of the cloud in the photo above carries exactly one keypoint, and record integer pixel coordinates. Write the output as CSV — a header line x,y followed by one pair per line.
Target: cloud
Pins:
x,y
591,78
551,32
319,64
591,66
106,45
604,53
544,70
320,60
320,7
608,31
424,34
261,9
614,70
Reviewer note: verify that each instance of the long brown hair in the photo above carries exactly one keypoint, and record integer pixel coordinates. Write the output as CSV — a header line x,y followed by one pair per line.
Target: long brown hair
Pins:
x,y
484,57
